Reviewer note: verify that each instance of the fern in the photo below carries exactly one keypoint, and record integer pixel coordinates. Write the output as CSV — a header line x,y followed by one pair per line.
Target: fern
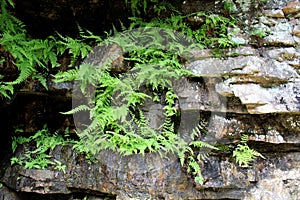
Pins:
x,y
34,57
191,158
66,76
39,157
243,154
77,109
6,90
75,47
138,5
117,122
8,22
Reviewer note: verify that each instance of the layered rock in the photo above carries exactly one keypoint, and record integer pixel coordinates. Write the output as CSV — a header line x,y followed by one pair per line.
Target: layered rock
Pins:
x,y
252,90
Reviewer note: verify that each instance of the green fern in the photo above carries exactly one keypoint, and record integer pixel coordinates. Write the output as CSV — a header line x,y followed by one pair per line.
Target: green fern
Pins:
x,y
34,57
79,108
243,154
191,158
39,157
6,90
66,76
75,47
9,23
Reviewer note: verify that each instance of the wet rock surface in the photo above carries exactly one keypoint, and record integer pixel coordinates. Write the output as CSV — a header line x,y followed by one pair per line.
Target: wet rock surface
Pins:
x,y
252,89
151,177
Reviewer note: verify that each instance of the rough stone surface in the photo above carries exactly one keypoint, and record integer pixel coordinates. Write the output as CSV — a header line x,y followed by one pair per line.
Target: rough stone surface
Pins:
x,y
263,84
151,177
253,89
8,194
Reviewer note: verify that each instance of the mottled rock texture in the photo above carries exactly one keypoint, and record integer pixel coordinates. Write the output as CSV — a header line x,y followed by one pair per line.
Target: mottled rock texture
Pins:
x,y
253,89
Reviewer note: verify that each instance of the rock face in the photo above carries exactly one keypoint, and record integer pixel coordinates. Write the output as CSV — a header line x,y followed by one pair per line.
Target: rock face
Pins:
x,y
254,89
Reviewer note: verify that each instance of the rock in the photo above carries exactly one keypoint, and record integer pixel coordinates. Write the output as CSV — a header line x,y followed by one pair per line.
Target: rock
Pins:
x,y
252,90
237,36
275,4
112,172
268,100
274,13
252,79
269,22
280,38
291,8
296,30
267,129
250,68
283,54
8,194
286,181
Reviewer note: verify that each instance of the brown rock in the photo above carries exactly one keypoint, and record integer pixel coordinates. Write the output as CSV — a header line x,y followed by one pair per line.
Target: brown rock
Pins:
x,y
291,8
274,13
296,31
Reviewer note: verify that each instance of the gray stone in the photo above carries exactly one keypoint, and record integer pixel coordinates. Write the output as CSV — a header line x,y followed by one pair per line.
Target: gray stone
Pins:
x,y
280,38
267,21
275,4
258,69
274,13
280,35
296,30
283,54
150,177
260,83
8,194
268,100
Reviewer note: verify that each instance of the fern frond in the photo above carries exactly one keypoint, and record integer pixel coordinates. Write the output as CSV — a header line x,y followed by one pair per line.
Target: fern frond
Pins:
x,y
244,154
6,90
77,109
26,70
76,47
201,144
198,130
42,79
69,75
244,139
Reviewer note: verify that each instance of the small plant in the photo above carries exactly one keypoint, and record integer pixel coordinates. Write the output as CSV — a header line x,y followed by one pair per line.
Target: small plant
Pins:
x,y
118,123
192,154
34,57
59,166
259,32
39,157
211,33
243,154
15,160
137,6
229,7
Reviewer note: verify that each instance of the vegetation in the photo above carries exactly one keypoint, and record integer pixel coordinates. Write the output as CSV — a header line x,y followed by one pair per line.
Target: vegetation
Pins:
x,y
155,51
244,154
38,158
33,57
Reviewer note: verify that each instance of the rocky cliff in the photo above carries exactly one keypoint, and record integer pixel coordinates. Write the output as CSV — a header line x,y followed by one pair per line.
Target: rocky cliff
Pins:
x,y
253,89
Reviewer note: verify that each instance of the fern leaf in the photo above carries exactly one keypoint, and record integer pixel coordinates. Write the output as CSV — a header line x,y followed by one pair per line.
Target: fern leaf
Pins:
x,y
25,71
42,79
69,75
77,109
201,144
6,90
